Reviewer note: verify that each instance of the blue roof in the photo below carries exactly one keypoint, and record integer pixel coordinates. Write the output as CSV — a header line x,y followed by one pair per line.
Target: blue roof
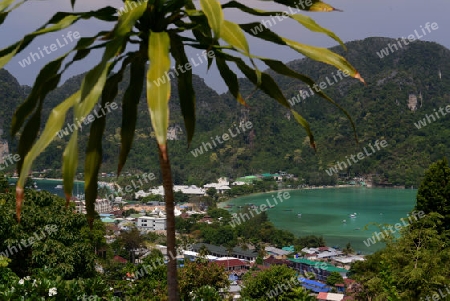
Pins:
x,y
314,286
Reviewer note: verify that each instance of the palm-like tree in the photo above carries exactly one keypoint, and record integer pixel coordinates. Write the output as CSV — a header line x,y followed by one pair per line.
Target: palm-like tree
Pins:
x,y
160,30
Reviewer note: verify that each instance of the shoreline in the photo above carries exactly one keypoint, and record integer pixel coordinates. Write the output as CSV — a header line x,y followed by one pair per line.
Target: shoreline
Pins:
x,y
290,189
50,179
312,188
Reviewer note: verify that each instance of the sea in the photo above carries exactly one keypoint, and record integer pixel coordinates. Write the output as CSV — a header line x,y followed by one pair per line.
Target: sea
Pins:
x,y
51,186
323,212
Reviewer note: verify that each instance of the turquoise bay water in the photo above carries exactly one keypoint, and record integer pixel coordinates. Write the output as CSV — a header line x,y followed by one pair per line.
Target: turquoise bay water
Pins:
x,y
50,186
323,212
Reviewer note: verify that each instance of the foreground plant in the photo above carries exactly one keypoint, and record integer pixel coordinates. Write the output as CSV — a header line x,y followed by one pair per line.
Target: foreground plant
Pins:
x,y
161,29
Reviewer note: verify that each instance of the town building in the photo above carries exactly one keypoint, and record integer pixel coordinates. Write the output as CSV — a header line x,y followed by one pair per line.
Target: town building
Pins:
x,y
151,223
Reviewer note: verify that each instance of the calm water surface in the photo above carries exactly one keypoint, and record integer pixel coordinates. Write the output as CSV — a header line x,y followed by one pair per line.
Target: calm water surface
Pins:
x,y
323,212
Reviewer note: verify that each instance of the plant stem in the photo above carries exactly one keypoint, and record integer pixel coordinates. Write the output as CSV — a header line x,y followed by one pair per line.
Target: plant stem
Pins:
x,y
172,280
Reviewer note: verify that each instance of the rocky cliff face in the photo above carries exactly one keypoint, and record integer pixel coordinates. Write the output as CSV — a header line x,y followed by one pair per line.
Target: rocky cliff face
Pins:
x,y
4,150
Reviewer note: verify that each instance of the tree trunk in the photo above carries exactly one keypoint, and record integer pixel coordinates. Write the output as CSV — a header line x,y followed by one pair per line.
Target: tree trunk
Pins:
x,y
172,279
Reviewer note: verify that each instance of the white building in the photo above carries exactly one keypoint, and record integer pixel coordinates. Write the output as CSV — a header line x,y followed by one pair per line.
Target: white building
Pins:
x,y
101,206
221,186
151,223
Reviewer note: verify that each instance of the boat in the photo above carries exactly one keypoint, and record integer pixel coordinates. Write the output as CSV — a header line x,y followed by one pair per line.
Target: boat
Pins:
x,y
58,187
353,215
344,221
299,215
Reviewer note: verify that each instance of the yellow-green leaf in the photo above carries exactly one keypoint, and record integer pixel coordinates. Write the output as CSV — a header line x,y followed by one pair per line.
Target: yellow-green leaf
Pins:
x,y
12,50
324,55
302,121
313,26
70,164
311,5
54,124
158,83
322,7
233,35
214,13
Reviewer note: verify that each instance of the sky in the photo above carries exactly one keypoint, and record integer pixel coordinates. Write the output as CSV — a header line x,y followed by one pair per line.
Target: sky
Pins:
x,y
360,19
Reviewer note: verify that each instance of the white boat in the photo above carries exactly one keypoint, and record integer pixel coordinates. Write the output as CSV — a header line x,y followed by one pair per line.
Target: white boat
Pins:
x,y
344,221
352,216
58,187
299,215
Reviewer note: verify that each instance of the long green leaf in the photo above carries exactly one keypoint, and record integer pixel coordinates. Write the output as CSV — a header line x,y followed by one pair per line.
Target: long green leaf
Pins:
x,y
312,6
186,92
94,149
53,126
130,104
8,53
316,53
324,55
158,86
92,165
270,87
30,132
214,13
281,68
302,19
313,26
70,164
3,8
233,35
59,21
47,80
230,79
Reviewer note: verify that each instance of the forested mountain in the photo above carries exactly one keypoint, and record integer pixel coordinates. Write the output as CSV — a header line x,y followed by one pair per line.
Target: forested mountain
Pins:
x,y
402,87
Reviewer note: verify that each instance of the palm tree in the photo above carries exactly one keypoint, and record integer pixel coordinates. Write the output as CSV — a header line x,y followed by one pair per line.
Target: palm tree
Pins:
x,y
160,30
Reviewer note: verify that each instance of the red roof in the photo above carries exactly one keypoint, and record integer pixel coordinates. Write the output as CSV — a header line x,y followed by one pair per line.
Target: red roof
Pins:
x,y
348,281
230,263
339,284
323,248
120,259
322,296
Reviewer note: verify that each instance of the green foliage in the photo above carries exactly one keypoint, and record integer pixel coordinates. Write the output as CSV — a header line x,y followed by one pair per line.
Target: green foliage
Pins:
x,y
196,275
130,241
277,281
310,241
334,278
434,192
4,185
414,260
49,236
206,293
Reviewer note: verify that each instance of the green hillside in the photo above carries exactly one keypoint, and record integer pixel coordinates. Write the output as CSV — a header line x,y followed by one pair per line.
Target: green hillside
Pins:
x,y
275,141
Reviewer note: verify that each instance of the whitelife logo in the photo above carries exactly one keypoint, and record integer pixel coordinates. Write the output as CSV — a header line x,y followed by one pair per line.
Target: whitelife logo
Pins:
x,y
263,207
377,236
53,47
87,120
12,160
199,150
322,86
393,47
360,156
424,122
267,24
184,68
